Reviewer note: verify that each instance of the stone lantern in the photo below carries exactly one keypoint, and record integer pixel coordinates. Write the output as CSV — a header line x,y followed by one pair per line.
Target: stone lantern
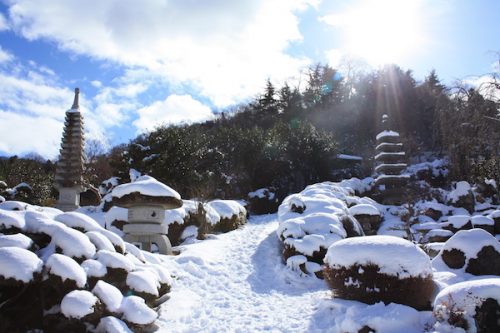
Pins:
x,y
146,200
69,171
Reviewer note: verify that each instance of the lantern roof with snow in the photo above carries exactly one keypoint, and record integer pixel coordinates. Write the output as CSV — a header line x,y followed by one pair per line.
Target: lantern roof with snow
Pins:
x,y
146,190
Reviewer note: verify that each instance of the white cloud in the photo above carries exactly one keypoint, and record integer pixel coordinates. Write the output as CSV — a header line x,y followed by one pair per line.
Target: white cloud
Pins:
x,y
3,23
175,109
22,134
5,56
225,49
96,83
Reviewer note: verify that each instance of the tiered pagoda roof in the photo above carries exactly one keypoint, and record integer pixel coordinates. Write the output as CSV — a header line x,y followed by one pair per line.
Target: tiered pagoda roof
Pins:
x,y
69,171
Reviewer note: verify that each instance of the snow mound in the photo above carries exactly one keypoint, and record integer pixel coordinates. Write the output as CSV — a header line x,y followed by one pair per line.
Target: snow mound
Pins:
x,y
72,242
411,261
100,241
462,188
364,209
10,219
78,304
15,205
19,264
143,281
114,260
78,221
458,221
482,220
136,311
67,269
94,268
145,185
17,240
227,208
112,325
109,295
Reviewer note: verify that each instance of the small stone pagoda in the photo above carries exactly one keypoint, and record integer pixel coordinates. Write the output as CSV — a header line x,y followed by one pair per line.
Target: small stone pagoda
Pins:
x,y
390,161
146,200
69,171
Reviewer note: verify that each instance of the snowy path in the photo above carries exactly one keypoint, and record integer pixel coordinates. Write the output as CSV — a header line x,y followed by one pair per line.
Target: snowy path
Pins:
x,y
236,282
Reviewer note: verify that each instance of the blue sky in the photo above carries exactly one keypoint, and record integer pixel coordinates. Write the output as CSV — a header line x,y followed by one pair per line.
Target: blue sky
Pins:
x,y
143,63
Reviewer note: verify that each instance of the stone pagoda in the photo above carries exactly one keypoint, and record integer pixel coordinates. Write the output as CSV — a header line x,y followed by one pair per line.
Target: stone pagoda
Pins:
x,y
390,162
69,171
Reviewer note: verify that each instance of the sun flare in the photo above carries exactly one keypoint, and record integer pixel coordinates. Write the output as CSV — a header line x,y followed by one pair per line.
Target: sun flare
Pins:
x,y
381,32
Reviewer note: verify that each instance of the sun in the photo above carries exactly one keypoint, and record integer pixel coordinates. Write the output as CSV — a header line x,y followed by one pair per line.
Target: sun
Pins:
x,y
381,32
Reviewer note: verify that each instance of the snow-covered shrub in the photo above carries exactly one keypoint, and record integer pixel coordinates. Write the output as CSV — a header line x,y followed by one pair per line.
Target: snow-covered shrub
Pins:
x,y
375,269
436,236
474,251
263,201
21,192
225,215
495,215
434,173
472,305
63,272
368,216
458,222
484,222
312,220
462,196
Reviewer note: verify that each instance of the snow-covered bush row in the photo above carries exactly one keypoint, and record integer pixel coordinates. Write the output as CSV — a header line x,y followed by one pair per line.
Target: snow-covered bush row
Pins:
x,y
317,217
69,274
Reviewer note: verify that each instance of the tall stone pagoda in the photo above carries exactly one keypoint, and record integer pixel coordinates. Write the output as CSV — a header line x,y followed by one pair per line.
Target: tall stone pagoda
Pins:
x,y
69,171
390,162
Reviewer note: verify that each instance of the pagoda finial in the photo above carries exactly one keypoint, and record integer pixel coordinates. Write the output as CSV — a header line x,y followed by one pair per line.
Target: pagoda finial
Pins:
x,y
76,104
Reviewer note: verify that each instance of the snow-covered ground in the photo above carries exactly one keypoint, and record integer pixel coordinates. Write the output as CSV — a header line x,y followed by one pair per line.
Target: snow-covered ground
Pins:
x,y
237,282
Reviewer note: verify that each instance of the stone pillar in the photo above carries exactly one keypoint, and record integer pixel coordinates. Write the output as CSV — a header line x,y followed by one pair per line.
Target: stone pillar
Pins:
x,y
69,171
